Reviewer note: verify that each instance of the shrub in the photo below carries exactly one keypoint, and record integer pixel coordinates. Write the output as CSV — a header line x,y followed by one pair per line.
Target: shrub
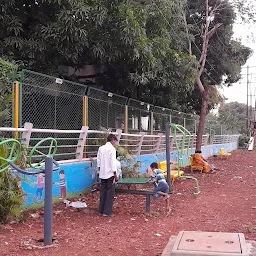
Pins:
x,y
11,195
6,78
242,140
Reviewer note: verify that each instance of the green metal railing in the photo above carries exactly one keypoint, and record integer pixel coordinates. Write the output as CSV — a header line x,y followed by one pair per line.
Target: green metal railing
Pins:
x,y
53,103
182,152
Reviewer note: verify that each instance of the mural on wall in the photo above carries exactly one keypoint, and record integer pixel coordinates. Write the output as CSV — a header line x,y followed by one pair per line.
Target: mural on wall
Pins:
x,y
63,184
69,181
40,187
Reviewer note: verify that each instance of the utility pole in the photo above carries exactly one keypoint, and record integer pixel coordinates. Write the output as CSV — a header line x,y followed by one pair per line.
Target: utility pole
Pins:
x,y
247,105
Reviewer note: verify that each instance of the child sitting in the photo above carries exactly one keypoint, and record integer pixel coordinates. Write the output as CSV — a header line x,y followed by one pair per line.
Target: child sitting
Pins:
x,y
162,188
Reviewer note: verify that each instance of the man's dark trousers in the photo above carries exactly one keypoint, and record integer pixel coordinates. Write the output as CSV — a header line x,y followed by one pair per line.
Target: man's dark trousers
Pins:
x,y
106,196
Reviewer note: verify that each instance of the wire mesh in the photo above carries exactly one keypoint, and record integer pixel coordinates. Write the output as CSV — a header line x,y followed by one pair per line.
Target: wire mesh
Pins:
x,y
139,116
105,110
161,116
50,102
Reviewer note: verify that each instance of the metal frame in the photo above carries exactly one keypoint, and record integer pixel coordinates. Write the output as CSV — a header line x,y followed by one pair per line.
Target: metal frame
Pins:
x,y
137,144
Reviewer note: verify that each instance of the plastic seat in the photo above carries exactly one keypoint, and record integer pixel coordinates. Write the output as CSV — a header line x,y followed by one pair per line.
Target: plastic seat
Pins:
x,y
223,154
174,173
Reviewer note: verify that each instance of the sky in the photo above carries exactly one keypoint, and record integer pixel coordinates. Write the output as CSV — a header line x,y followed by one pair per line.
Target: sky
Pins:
x,y
238,92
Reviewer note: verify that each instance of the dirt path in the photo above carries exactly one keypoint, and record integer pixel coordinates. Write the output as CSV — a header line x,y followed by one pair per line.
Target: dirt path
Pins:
x,y
227,203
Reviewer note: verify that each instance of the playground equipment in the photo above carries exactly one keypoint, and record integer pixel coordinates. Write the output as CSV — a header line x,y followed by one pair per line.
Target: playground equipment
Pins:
x,y
174,173
46,165
223,154
181,152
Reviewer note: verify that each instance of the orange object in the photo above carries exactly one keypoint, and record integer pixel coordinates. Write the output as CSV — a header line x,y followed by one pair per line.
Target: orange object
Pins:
x,y
198,163
16,108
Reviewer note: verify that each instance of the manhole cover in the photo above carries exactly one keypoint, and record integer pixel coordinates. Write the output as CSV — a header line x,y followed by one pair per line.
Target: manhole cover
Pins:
x,y
209,243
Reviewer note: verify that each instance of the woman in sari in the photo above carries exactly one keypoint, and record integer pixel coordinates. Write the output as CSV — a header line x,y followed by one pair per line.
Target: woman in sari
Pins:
x,y
199,162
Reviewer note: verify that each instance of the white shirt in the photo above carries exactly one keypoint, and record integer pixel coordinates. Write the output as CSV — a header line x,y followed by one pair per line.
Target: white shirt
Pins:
x,y
119,169
106,161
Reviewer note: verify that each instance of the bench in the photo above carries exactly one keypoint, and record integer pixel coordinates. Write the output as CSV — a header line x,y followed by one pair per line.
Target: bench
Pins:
x,y
147,193
128,183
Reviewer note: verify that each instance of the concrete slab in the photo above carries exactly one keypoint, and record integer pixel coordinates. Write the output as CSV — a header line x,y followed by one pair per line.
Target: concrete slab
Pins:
x,y
191,243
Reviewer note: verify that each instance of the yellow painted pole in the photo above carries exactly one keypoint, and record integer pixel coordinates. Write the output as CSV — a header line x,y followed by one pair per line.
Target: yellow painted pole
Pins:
x,y
16,108
85,106
85,115
126,118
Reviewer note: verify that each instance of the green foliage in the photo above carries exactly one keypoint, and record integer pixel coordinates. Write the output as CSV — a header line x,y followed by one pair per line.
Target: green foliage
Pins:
x,y
11,196
225,55
233,115
134,43
6,78
139,47
129,164
242,140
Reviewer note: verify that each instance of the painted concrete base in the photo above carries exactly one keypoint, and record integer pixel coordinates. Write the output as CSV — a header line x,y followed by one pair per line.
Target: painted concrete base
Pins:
x,y
193,243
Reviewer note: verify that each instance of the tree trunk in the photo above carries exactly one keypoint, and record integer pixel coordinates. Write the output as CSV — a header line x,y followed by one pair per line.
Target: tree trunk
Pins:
x,y
206,36
203,114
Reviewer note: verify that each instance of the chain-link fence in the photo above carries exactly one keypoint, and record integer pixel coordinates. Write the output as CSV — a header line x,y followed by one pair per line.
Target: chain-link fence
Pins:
x,y
161,116
139,116
105,110
52,103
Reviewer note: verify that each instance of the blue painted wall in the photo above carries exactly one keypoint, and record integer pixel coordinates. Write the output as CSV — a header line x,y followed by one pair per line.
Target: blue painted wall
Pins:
x,y
80,176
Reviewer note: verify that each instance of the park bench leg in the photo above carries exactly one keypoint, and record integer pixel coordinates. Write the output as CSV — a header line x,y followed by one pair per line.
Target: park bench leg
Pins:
x,y
167,206
148,203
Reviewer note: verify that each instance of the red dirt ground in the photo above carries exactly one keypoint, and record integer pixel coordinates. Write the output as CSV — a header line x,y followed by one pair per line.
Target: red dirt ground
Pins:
x,y
227,203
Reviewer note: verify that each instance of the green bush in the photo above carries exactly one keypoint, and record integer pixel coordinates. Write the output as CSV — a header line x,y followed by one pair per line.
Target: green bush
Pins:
x,y
11,195
242,140
7,70
130,167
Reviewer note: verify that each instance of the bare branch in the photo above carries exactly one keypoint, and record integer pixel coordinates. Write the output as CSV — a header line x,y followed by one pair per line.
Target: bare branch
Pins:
x,y
213,30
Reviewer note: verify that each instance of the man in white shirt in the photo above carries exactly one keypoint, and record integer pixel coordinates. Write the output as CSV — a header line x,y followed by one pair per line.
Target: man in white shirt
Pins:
x,y
106,162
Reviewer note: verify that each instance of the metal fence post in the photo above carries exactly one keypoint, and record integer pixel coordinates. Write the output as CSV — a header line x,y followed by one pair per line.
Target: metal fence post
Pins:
x,y
20,104
159,142
85,110
119,134
151,122
140,143
27,134
126,119
81,143
48,201
167,143
16,108
192,141
206,140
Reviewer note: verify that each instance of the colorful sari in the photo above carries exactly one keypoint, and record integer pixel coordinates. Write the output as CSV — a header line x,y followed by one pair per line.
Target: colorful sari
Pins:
x,y
199,162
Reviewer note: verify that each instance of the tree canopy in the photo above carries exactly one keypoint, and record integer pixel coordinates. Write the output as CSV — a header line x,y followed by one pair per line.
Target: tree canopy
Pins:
x,y
7,70
233,115
141,47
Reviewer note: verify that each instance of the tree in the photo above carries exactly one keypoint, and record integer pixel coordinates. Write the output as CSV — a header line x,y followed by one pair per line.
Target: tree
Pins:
x,y
219,56
6,78
233,115
132,42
